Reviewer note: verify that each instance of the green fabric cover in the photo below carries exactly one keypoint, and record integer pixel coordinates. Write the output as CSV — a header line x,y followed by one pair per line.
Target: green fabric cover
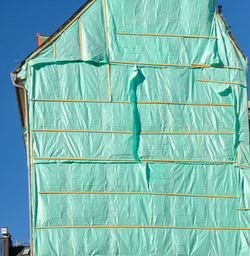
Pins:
x,y
199,164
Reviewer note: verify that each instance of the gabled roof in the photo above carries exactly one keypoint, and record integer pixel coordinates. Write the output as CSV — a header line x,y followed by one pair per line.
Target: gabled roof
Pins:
x,y
88,3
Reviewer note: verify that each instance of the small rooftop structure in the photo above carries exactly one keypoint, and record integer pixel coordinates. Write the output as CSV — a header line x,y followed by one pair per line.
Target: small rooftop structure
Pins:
x,y
7,248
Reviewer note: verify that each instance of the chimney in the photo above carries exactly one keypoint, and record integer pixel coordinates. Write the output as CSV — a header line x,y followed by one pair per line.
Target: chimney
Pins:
x,y
6,242
41,39
220,9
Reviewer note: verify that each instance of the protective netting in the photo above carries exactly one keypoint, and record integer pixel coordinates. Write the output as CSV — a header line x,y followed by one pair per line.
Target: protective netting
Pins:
x,y
139,133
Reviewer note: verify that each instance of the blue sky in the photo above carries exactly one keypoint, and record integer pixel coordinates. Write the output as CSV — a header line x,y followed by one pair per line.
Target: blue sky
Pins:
x,y
21,20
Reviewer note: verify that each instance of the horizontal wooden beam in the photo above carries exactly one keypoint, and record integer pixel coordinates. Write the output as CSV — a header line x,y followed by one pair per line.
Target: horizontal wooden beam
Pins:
x,y
138,102
166,35
219,82
139,133
193,65
132,160
134,193
143,227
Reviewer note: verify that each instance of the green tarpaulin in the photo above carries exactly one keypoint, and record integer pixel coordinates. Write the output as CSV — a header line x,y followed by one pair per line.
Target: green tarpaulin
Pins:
x,y
138,133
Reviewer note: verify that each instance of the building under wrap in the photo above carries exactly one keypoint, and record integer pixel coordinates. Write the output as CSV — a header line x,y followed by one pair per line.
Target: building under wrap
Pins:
x,y
135,120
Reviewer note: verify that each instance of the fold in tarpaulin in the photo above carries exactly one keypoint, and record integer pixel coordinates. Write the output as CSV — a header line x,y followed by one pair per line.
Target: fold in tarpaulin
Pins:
x,y
138,124
136,79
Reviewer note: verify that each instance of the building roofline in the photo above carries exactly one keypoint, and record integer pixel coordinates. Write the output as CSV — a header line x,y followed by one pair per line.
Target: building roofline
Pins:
x,y
79,12
231,34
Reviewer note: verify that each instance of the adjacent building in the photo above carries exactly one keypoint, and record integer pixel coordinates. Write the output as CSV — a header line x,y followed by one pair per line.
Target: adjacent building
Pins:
x,y
7,247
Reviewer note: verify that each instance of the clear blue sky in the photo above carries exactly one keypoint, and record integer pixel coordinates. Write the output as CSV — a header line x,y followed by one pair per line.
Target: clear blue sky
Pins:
x,y
20,21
